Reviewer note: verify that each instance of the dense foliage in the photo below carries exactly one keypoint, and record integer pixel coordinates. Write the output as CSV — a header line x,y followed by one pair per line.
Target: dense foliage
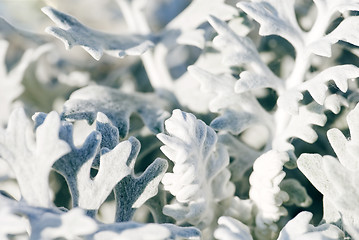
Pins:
x,y
179,119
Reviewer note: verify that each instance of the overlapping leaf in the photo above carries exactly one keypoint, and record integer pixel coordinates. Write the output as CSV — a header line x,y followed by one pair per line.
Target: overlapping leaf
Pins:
x,y
337,180
239,111
52,223
118,107
115,169
31,155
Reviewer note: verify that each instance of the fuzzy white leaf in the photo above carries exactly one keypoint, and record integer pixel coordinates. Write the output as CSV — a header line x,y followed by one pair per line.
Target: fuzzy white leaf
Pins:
x,y
232,229
311,165
336,183
89,193
96,43
117,106
345,31
132,191
193,38
151,231
276,17
232,105
32,161
10,223
74,224
198,11
194,145
239,50
339,74
334,102
299,229
289,101
347,150
241,210
300,125
265,192
249,81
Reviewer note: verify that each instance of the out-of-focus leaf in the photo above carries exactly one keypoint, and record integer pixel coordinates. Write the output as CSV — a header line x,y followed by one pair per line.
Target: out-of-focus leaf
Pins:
x,y
151,231
297,193
232,229
243,156
299,228
198,11
9,33
10,81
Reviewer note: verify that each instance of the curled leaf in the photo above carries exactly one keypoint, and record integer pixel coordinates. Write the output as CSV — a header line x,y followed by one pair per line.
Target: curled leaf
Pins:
x,y
191,145
266,194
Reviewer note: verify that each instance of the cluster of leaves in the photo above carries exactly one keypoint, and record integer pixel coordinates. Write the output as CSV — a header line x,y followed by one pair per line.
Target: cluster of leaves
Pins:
x,y
207,122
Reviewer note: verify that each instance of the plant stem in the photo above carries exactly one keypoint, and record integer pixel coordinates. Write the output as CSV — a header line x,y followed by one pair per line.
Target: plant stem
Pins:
x,y
157,74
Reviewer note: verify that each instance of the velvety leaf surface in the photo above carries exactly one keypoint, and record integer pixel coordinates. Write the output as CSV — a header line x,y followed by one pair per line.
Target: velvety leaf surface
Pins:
x,y
266,194
117,106
232,229
337,180
96,43
32,154
276,17
299,228
133,191
191,144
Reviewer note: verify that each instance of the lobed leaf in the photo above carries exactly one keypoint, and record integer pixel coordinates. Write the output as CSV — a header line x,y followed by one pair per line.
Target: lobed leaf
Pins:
x,y
343,32
132,192
31,155
275,18
191,145
339,74
96,43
